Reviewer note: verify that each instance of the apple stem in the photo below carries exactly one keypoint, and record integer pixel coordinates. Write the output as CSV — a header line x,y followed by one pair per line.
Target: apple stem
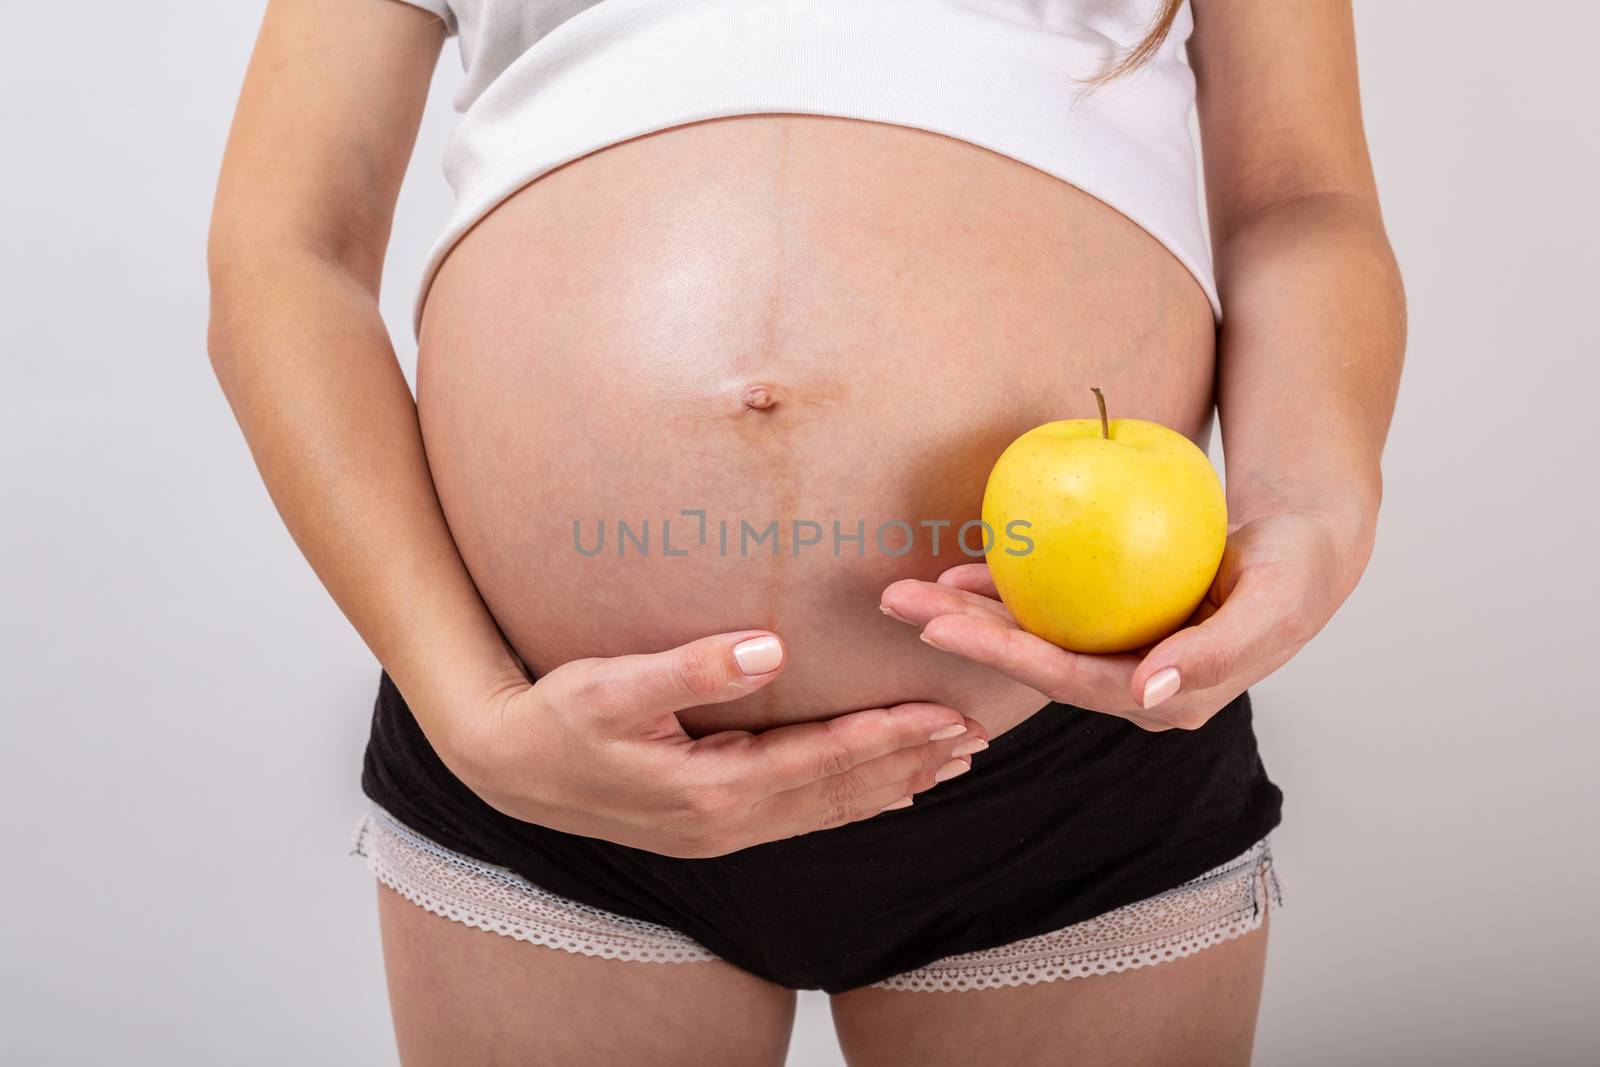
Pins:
x,y
1105,423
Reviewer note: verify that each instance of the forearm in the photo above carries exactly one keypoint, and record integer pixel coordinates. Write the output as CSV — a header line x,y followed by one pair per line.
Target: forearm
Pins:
x,y
304,359
1309,364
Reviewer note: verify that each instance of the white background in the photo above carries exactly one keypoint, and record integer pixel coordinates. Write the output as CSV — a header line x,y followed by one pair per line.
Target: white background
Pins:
x,y
184,709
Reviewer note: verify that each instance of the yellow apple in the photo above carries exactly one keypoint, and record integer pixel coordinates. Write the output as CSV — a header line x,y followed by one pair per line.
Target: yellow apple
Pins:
x,y
1106,533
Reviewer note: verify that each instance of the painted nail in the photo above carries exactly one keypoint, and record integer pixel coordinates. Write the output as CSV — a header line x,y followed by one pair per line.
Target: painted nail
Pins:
x,y
1162,686
893,614
967,748
953,769
945,733
759,655
897,805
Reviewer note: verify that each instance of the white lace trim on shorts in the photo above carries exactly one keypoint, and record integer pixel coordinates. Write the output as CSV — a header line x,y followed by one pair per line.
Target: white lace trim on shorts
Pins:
x,y
1221,904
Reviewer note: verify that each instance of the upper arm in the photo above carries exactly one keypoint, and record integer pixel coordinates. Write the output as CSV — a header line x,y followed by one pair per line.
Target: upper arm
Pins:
x,y
1280,109
324,128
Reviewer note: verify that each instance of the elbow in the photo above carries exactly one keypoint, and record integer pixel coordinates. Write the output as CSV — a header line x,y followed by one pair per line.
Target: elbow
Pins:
x,y
219,347
253,278
270,272
219,353
267,287
217,319
224,256
1399,308
222,345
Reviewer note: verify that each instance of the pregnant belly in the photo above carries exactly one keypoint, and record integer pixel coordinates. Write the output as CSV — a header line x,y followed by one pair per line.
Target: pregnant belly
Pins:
x,y
746,373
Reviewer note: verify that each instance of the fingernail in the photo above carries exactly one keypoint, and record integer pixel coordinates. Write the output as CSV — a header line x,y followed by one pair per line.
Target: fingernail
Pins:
x,y
895,615
967,748
928,640
953,769
945,733
758,655
897,805
1163,685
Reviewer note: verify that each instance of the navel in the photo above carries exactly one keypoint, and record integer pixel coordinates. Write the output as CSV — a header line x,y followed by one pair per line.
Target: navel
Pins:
x,y
759,397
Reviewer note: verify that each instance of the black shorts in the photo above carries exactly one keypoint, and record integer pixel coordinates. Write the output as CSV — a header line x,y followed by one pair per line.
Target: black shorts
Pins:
x,y
1063,818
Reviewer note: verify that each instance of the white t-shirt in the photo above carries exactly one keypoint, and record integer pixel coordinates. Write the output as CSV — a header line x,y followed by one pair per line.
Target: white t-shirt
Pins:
x,y
549,81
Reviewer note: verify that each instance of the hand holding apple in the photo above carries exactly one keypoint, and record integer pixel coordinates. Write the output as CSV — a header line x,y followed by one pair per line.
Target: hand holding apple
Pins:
x,y
1284,572
1126,521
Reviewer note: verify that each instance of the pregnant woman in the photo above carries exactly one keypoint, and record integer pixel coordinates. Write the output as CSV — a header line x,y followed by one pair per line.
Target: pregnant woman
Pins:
x,y
669,727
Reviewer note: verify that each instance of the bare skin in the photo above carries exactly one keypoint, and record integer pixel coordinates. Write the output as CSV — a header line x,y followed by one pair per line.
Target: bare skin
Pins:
x,y
463,995
460,995
1197,1010
824,302
638,724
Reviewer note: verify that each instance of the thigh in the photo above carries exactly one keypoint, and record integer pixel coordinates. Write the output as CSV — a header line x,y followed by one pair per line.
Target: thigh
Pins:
x,y
461,995
1195,1012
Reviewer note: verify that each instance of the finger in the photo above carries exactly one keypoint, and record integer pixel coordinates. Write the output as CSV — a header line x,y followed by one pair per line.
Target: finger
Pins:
x,y
633,691
866,790
1193,708
915,602
1099,683
809,810
1261,616
789,757
911,770
973,577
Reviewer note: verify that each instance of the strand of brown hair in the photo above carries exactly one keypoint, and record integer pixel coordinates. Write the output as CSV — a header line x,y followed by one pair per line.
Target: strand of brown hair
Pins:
x,y
1145,49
